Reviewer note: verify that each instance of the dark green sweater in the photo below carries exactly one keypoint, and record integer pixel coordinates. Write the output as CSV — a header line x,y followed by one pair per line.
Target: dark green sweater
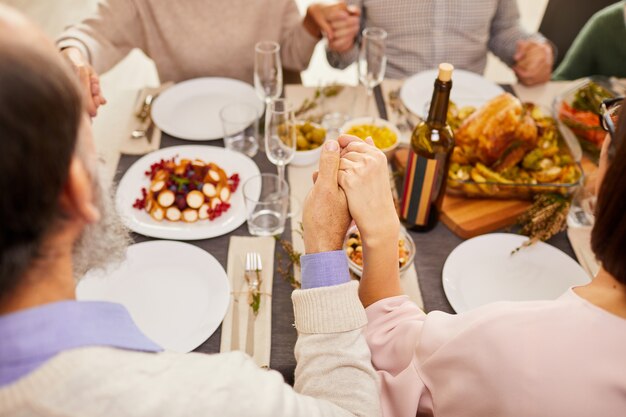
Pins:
x,y
599,48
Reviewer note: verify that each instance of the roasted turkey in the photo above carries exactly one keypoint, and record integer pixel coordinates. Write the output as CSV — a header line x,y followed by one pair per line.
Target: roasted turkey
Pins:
x,y
498,135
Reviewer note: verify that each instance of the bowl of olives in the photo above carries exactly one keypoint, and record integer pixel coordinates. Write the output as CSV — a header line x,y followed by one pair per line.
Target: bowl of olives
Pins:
x,y
309,139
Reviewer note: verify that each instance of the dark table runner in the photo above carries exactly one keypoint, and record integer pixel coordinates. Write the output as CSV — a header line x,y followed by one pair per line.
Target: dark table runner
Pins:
x,y
432,250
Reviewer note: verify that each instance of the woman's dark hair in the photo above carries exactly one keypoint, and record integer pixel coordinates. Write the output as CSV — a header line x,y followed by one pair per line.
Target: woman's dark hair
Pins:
x,y
608,237
40,113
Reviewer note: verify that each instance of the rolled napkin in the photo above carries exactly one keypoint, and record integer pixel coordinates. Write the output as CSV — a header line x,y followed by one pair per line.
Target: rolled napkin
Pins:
x,y
141,146
580,238
239,307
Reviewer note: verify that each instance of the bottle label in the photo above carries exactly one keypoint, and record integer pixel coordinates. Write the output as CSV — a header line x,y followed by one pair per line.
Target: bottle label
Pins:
x,y
422,182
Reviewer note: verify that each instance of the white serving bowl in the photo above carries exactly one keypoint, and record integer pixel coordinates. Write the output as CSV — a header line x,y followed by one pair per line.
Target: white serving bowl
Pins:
x,y
310,157
376,121
404,236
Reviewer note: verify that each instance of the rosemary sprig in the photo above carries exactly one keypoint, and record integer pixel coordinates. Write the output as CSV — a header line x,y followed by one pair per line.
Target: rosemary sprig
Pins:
x,y
544,219
321,92
285,266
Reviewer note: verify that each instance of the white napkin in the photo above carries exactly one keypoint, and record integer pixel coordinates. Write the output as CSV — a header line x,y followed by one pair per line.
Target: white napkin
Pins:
x,y
141,146
238,248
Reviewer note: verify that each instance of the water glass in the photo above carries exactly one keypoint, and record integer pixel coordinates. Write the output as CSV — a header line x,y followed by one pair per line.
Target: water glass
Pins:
x,y
268,71
240,123
267,213
280,134
333,122
582,209
372,61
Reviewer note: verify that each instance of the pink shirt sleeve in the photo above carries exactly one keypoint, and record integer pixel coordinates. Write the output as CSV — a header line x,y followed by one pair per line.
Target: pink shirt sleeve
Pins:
x,y
393,331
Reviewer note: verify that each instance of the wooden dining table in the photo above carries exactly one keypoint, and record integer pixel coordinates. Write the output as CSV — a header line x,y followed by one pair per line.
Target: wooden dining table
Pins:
x,y
432,249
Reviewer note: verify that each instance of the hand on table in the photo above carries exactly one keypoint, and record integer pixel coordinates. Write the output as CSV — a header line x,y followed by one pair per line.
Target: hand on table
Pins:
x,y
533,62
339,22
325,217
88,78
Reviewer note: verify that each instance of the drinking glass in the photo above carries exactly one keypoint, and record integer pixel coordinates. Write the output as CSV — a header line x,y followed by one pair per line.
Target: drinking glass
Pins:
x,y
267,213
280,134
372,61
582,209
240,122
268,71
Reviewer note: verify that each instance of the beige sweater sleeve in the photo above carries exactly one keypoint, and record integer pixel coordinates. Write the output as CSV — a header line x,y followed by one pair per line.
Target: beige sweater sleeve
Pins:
x,y
334,375
333,359
108,35
296,43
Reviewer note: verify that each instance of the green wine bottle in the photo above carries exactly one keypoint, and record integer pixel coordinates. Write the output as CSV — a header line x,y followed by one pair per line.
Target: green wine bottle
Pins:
x,y
432,142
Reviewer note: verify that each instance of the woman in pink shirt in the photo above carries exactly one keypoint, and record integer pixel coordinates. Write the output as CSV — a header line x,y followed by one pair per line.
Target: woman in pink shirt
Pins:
x,y
542,358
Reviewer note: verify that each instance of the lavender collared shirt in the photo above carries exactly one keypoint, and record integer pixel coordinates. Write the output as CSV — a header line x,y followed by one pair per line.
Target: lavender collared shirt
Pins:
x,y
31,337
324,269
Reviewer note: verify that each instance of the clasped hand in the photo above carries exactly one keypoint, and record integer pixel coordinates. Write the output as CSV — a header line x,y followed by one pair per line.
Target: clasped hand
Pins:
x,y
352,183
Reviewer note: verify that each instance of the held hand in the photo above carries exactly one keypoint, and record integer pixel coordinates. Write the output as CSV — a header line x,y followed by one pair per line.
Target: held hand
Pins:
x,y
533,62
325,216
338,22
364,177
345,23
88,79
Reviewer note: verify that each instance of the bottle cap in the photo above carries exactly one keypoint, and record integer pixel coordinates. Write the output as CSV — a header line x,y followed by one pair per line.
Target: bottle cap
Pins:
x,y
445,72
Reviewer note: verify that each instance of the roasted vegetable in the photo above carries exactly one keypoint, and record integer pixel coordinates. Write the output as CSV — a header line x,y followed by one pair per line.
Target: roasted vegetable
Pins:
x,y
309,136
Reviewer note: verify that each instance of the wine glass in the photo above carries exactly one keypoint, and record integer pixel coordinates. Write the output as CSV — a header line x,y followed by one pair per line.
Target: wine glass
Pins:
x,y
268,71
280,134
372,60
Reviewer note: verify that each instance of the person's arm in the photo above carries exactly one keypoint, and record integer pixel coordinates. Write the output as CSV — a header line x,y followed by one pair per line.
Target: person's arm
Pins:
x,y
298,37
331,352
580,58
108,36
348,56
506,31
530,56
364,177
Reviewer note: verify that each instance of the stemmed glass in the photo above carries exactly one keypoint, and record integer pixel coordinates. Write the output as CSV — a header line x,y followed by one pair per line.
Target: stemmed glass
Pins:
x,y
280,134
268,71
372,60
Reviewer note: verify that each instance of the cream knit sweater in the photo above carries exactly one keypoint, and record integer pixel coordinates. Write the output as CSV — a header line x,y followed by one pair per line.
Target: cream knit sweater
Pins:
x,y
333,366
192,38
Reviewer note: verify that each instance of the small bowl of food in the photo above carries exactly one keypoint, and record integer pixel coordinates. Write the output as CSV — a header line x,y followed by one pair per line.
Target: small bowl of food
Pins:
x,y
309,139
353,248
384,133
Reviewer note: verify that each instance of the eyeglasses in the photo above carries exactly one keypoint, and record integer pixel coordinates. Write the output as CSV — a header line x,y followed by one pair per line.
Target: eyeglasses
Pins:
x,y
609,111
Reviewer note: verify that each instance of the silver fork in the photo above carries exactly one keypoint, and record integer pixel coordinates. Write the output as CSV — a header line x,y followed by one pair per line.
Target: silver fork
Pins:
x,y
253,277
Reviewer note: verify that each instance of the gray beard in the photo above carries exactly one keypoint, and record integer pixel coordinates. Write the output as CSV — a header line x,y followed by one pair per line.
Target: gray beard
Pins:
x,y
102,245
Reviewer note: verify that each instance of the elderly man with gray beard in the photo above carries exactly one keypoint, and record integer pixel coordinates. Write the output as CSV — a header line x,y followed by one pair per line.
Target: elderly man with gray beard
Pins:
x,y
59,356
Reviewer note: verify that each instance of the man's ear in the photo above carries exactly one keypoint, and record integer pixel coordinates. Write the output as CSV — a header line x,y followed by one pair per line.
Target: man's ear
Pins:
x,y
77,199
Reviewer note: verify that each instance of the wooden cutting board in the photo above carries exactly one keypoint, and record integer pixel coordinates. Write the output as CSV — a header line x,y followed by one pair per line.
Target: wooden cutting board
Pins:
x,y
469,217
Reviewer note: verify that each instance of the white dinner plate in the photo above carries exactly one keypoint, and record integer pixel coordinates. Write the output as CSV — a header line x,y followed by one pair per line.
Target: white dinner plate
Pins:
x,y
468,89
139,221
482,270
191,109
176,293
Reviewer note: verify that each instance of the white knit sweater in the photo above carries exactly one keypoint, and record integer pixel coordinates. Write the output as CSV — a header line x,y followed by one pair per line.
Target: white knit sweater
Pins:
x,y
333,366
